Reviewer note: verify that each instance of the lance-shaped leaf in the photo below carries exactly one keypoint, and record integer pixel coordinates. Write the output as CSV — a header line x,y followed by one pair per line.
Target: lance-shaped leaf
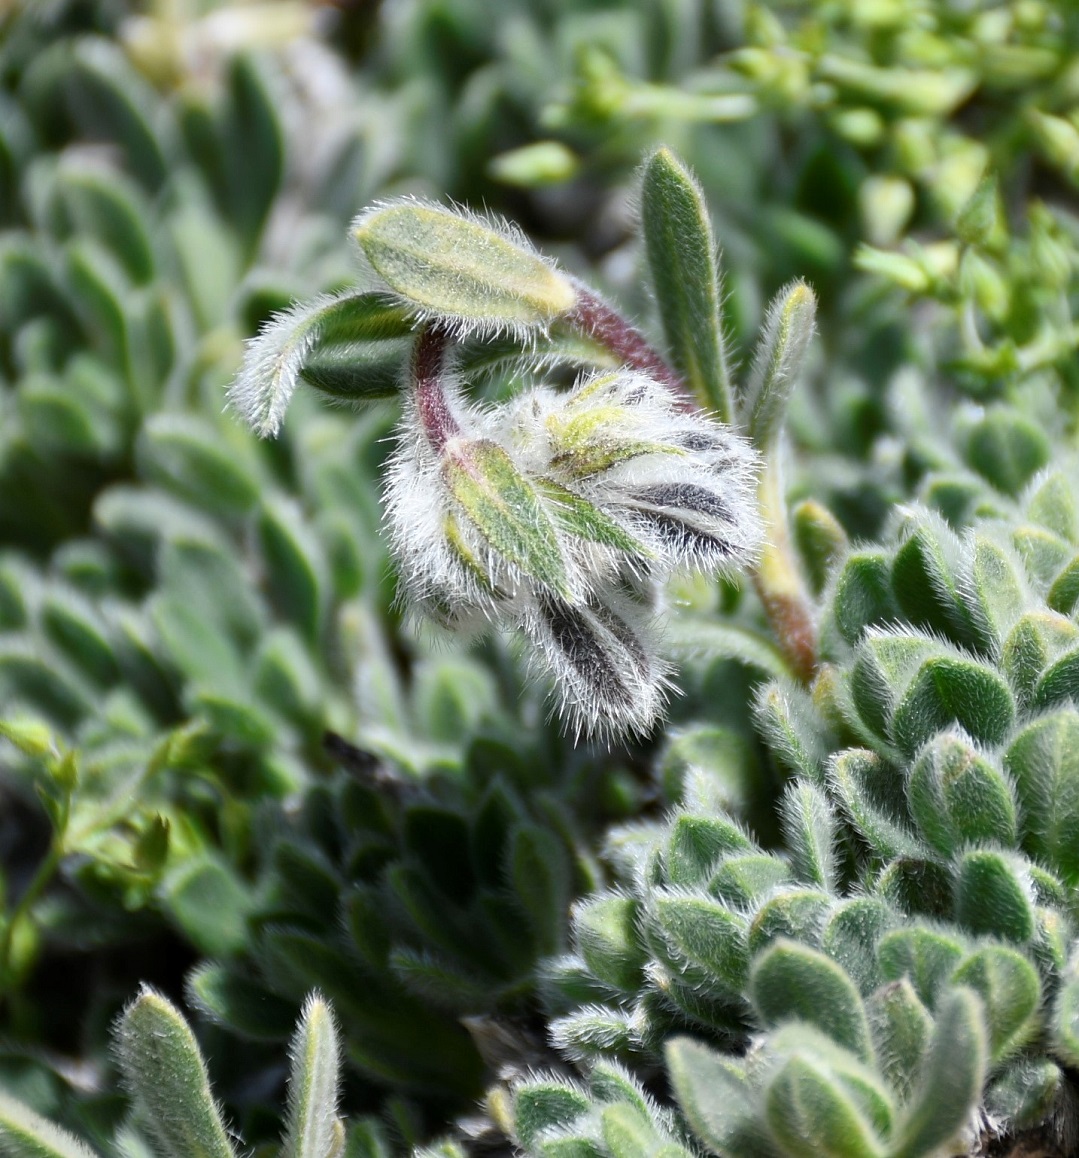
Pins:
x,y
505,509
1010,991
460,268
164,1071
24,1134
957,796
685,272
275,359
777,362
314,1130
951,1079
579,517
605,934
809,828
713,1093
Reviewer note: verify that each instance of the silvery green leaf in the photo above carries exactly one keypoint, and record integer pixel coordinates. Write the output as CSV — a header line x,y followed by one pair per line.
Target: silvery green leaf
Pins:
x,y
25,1134
950,1081
793,982
314,1130
166,1076
778,362
506,511
275,358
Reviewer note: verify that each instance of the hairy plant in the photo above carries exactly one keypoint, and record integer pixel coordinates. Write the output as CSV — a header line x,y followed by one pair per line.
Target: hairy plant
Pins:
x,y
897,978
173,1111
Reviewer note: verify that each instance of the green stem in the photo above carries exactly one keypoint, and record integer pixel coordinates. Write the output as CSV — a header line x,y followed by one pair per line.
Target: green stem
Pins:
x,y
44,874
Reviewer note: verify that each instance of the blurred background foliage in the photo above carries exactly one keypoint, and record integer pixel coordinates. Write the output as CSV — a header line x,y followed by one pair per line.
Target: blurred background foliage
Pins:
x,y
230,768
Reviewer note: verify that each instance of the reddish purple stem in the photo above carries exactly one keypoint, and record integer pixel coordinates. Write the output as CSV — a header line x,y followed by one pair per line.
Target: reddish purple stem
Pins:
x,y
428,364
594,318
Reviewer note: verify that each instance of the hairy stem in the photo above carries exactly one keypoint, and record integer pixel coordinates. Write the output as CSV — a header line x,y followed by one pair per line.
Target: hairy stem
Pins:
x,y
428,389
593,317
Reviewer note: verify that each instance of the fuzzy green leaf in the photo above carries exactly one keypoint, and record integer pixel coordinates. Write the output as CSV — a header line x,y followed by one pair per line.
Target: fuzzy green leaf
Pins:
x,y
546,1105
507,512
793,982
457,267
950,1080
24,1134
167,1078
685,273
811,1114
605,932
275,359
712,1091
957,797
993,895
313,1127
923,956
777,362
809,830
1025,1093
901,1028
863,595
706,938
1010,991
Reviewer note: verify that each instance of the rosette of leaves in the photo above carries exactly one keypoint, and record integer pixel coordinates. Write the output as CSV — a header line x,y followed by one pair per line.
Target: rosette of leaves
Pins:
x,y
421,911
173,1112
926,856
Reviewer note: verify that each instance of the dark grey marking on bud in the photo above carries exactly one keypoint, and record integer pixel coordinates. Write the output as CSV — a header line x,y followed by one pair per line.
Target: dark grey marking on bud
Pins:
x,y
578,642
621,631
685,497
705,441
683,538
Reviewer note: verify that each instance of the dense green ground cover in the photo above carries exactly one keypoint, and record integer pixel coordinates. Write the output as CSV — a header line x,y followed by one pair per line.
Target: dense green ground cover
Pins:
x,y
823,902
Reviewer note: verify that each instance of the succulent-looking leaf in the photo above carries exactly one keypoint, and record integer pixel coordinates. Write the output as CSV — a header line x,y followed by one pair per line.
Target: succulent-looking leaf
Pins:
x,y
712,1091
811,1115
794,982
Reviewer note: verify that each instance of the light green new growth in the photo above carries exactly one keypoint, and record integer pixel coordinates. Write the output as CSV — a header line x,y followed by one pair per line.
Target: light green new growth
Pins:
x,y
451,266
682,259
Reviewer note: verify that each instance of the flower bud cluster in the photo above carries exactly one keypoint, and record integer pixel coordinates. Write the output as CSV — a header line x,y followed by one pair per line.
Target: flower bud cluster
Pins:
x,y
557,513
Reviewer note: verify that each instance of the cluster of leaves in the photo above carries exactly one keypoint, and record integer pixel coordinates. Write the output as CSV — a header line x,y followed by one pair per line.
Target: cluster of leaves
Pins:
x,y
884,962
186,615
173,1111
928,854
